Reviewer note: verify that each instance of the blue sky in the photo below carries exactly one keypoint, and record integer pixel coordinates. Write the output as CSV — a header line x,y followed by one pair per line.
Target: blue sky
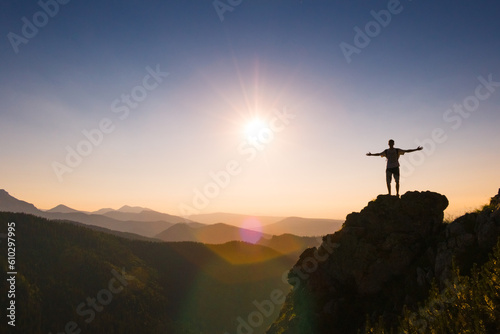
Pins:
x,y
263,58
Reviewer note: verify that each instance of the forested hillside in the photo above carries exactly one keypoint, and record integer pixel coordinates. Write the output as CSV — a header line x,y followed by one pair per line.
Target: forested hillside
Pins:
x,y
71,278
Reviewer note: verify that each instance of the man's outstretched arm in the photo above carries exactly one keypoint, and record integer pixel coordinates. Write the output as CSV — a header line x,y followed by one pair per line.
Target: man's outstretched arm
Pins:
x,y
413,150
374,154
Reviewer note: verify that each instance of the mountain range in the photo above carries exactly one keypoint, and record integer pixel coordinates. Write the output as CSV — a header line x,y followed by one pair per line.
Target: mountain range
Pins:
x,y
207,261
206,228
287,244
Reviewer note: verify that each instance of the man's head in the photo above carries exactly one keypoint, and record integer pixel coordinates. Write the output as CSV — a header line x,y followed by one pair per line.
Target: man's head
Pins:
x,y
391,143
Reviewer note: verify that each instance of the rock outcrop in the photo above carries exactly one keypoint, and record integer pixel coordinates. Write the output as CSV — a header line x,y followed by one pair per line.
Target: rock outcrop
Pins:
x,y
383,259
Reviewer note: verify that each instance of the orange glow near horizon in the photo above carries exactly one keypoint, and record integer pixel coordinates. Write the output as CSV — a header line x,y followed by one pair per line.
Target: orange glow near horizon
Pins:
x,y
338,208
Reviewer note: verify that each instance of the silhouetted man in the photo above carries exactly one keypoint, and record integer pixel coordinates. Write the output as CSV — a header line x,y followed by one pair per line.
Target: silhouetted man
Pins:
x,y
392,154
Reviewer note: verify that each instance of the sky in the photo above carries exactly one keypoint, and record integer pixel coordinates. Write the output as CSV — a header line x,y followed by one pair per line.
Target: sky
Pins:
x,y
254,107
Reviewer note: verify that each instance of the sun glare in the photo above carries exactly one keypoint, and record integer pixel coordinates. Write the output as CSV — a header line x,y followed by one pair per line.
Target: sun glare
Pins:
x,y
253,128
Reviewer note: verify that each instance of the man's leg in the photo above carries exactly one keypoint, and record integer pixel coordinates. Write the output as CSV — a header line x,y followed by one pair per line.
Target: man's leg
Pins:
x,y
396,178
388,177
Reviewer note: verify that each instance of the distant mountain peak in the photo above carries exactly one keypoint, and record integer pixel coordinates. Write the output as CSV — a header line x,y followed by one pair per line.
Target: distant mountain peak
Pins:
x,y
62,209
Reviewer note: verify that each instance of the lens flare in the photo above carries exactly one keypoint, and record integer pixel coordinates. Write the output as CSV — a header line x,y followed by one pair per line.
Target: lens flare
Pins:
x,y
251,230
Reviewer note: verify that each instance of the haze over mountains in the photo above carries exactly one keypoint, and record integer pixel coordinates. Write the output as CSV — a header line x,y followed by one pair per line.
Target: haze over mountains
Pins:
x,y
209,234
206,228
205,260
143,228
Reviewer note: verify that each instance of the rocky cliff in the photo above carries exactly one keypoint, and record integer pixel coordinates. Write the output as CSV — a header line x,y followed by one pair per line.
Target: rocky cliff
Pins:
x,y
383,259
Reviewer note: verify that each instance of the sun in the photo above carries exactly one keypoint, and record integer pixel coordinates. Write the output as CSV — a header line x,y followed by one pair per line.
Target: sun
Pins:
x,y
254,127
